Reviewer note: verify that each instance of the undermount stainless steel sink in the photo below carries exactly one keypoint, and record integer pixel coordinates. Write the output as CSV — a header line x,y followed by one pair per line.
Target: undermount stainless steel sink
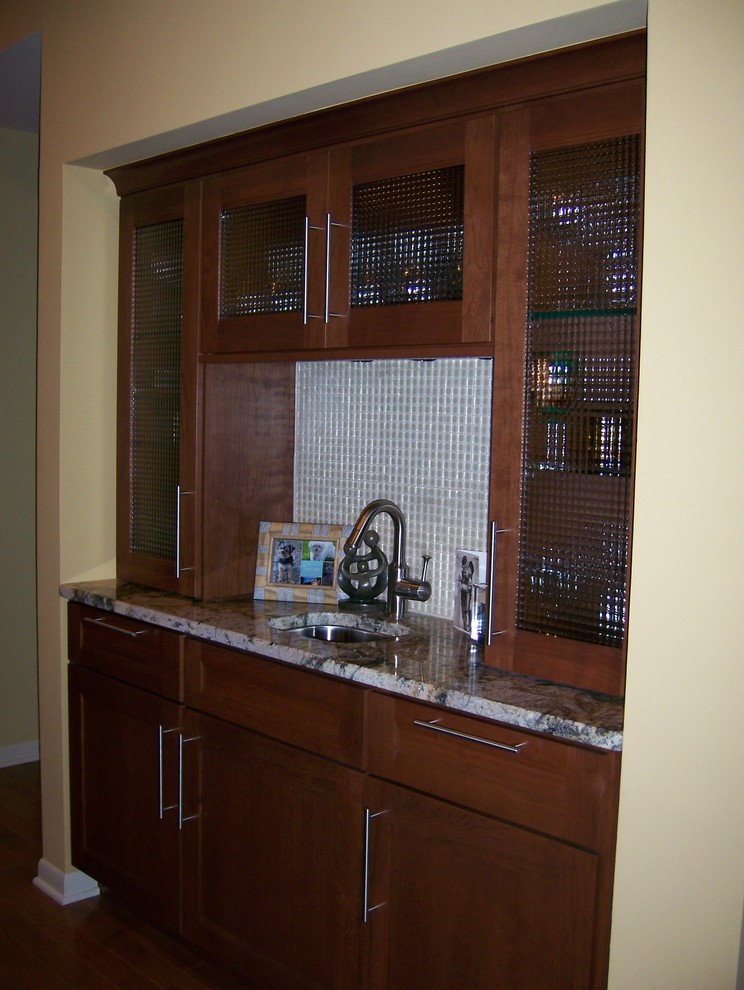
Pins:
x,y
340,634
335,627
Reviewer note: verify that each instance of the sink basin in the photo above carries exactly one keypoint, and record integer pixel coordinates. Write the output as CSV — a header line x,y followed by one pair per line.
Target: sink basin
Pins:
x,y
340,634
339,627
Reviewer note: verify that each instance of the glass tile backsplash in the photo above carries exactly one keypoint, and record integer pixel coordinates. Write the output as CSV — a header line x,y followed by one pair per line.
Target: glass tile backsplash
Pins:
x,y
416,432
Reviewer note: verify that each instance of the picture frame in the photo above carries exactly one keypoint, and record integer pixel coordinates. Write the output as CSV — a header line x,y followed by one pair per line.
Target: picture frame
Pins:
x,y
297,562
469,579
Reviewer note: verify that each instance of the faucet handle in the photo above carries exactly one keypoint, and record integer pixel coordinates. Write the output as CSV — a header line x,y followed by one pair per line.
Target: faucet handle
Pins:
x,y
425,566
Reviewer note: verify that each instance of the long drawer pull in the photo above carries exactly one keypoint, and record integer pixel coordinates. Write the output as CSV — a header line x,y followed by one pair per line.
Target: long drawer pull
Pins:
x,y
436,727
132,633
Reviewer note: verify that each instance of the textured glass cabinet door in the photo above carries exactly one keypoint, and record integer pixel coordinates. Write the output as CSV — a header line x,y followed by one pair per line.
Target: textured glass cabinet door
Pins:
x,y
156,387
155,479
579,411
565,395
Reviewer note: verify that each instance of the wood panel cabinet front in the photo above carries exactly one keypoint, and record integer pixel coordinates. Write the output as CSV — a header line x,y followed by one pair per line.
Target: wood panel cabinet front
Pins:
x,y
461,901
371,245
561,789
158,389
307,710
124,792
272,858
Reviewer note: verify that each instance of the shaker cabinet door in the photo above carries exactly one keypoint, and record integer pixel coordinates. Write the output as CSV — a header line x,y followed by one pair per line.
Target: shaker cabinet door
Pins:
x,y
460,901
272,867
124,792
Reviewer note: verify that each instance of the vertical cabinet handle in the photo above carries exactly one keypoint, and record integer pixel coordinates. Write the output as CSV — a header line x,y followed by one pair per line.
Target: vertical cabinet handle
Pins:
x,y
330,224
490,633
367,908
161,807
305,273
181,817
179,496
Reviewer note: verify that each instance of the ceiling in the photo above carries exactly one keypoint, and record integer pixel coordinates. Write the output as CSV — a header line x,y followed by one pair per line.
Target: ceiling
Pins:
x,y
20,79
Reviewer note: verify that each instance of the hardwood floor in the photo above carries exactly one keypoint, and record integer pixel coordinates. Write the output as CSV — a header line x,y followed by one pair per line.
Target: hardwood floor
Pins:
x,y
92,945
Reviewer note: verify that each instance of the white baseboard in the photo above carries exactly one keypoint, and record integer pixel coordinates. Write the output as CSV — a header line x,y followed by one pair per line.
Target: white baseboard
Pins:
x,y
64,888
11,756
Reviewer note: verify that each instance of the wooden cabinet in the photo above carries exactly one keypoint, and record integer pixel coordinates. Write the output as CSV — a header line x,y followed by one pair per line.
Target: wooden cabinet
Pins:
x,y
192,440
366,245
273,843
272,859
489,854
309,832
124,743
565,383
158,388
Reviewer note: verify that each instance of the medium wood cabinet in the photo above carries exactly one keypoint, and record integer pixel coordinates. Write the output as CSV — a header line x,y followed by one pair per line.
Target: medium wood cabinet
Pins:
x,y
489,854
368,245
272,859
124,745
158,388
565,384
273,851
311,833
428,222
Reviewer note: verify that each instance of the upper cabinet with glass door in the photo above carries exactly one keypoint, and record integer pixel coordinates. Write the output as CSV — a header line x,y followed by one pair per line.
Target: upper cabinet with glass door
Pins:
x,y
376,244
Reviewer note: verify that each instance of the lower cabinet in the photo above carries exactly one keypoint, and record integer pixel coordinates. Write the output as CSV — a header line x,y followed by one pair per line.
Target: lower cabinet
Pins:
x,y
272,859
312,834
124,791
458,900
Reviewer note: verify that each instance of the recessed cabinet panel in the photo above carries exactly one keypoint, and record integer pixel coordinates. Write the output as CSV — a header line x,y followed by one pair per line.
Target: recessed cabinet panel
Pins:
x,y
124,791
263,234
273,859
459,901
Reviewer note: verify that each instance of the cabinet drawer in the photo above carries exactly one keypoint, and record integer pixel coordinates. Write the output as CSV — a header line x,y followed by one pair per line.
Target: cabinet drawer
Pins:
x,y
295,706
557,788
136,652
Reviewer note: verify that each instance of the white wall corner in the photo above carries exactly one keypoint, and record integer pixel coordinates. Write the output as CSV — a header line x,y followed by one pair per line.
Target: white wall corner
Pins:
x,y
11,756
64,888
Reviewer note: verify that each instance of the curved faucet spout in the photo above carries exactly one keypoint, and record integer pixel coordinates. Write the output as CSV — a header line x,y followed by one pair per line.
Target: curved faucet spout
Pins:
x,y
362,524
400,586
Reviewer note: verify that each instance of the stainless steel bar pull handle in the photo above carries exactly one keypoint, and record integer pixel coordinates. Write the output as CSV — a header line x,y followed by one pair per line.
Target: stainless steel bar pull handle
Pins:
x,y
305,273
330,224
132,633
179,496
367,909
161,807
490,633
181,817
435,726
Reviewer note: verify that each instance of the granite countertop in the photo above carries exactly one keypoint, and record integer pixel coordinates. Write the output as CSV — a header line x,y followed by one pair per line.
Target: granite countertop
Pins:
x,y
434,662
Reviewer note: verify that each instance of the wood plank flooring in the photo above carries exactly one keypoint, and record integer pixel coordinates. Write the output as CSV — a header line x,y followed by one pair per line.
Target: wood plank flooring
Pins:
x,y
92,945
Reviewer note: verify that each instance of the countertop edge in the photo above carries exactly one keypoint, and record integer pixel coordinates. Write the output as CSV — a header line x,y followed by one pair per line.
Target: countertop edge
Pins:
x,y
325,658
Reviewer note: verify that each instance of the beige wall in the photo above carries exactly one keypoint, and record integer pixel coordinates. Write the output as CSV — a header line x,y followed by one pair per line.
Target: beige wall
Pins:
x,y
116,75
19,729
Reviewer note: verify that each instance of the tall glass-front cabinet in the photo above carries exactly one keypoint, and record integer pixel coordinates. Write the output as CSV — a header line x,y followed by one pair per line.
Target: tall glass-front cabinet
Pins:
x,y
157,435
565,379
